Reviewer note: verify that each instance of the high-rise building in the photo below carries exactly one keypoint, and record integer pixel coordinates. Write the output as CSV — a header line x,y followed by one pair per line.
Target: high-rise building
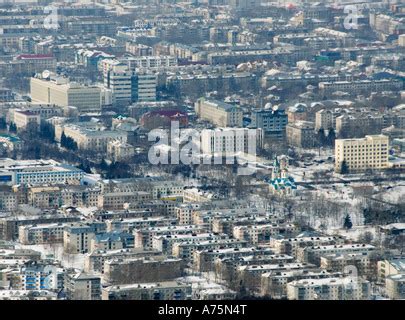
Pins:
x,y
370,152
118,79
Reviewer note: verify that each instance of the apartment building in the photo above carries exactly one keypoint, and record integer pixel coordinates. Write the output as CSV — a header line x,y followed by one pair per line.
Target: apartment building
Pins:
x,y
291,245
41,276
249,276
82,286
8,199
144,84
119,151
274,283
225,260
165,243
365,264
144,237
148,269
129,224
194,195
185,250
47,197
370,152
77,236
262,233
138,49
9,225
25,119
95,260
231,141
272,122
40,234
118,78
360,86
165,290
325,119
329,289
31,63
390,267
151,62
314,254
395,286
219,113
301,134
184,212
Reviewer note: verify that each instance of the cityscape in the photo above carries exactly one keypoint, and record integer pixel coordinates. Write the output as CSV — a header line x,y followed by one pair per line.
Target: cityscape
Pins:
x,y
202,150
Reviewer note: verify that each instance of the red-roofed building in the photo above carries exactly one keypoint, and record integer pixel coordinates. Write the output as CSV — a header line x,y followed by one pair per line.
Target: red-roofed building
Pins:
x,y
163,118
34,63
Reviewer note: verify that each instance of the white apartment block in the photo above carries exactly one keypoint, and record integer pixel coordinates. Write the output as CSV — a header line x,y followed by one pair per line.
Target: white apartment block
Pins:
x,y
118,78
231,141
145,87
328,289
370,152
219,113
151,62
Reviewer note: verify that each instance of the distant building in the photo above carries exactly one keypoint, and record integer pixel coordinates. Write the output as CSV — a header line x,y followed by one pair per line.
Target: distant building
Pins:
x,y
24,119
329,289
38,172
219,113
361,154
77,237
273,122
61,92
281,183
168,290
82,286
395,286
119,151
31,63
301,134
231,141
163,118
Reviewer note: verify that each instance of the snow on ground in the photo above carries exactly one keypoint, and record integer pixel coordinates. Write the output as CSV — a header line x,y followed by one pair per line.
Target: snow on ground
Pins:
x,y
394,194
353,233
87,212
55,251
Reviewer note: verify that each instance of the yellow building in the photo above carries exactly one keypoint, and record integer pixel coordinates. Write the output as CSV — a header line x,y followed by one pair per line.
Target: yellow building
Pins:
x,y
60,91
219,113
370,152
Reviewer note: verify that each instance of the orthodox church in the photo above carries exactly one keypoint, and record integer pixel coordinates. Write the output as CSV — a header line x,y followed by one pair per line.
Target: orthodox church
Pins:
x,y
281,182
